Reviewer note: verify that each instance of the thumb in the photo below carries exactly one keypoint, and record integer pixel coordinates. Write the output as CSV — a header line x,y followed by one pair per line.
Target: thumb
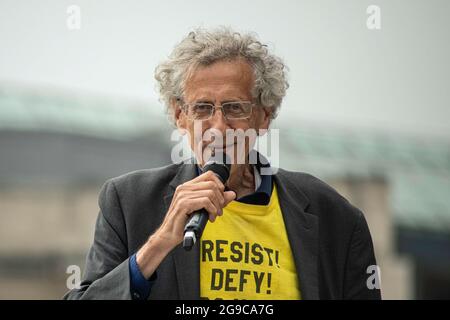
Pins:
x,y
229,196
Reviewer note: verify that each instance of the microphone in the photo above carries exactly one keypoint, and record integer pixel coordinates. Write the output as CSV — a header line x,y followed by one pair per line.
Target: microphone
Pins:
x,y
220,164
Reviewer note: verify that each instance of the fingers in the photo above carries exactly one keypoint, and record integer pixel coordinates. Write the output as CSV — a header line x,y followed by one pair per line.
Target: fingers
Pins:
x,y
207,204
215,196
214,209
229,196
208,185
205,191
208,176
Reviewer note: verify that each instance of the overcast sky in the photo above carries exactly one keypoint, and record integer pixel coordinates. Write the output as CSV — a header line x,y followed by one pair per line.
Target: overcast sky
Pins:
x,y
341,73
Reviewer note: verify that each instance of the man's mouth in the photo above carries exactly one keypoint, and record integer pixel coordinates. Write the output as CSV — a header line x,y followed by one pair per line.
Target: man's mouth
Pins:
x,y
220,146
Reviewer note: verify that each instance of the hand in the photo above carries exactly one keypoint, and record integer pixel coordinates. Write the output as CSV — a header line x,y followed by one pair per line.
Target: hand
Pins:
x,y
205,191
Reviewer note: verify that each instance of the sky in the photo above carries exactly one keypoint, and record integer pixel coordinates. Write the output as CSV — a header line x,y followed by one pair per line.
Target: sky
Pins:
x,y
394,79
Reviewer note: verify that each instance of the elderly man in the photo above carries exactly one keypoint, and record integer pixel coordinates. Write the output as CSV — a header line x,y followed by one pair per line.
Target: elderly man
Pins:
x,y
281,236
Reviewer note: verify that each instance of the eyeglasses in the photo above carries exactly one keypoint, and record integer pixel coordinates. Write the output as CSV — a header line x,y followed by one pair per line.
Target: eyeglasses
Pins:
x,y
236,110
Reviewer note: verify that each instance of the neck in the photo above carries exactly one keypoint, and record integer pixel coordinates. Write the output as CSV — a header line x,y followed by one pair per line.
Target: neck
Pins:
x,y
242,180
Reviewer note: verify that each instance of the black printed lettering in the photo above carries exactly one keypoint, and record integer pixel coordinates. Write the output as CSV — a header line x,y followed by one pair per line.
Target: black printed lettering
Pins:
x,y
237,253
219,274
269,253
207,249
229,279
257,256
259,276
219,250
246,252
242,279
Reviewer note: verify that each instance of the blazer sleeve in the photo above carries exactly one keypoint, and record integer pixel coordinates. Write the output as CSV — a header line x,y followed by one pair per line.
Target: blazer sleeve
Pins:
x,y
358,282
107,271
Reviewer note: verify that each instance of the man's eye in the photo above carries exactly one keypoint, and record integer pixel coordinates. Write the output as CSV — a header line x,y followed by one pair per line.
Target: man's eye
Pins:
x,y
235,107
202,107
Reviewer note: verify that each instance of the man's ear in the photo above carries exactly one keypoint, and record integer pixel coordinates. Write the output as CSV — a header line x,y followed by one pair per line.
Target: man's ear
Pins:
x,y
265,118
179,116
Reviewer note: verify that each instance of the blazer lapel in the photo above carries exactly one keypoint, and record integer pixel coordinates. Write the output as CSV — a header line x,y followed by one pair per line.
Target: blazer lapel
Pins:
x,y
187,263
303,233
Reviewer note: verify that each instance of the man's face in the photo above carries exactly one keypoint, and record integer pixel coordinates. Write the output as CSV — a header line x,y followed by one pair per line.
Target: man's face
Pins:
x,y
220,82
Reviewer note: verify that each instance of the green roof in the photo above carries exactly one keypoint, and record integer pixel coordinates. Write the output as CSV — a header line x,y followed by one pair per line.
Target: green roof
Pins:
x,y
94,116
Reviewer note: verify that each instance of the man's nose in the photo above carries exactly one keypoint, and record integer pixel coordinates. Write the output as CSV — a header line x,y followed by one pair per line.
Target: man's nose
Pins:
x,y
218,120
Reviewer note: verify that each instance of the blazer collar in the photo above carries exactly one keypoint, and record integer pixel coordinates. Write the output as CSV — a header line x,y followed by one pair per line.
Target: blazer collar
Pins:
x,y
302,229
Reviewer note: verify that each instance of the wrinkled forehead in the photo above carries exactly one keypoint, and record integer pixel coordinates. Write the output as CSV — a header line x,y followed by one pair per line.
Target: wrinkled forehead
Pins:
x,y
221,79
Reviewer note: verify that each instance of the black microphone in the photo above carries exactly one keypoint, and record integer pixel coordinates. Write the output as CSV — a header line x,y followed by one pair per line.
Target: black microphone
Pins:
x,y
220,164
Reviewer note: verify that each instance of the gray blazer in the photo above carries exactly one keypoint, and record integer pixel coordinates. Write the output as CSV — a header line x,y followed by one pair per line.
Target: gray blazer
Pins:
x,y
329,237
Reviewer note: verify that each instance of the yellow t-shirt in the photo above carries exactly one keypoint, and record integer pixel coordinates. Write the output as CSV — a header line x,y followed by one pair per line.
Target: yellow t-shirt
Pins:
x,y
245,254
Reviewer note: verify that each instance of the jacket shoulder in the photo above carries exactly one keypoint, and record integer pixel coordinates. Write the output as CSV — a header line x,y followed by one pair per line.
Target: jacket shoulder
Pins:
x,y
145,177
133,190
322,197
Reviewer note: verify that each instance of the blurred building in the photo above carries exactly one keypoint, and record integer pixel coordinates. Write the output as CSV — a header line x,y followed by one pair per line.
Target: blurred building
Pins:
x,y
402,184
56,152
58,149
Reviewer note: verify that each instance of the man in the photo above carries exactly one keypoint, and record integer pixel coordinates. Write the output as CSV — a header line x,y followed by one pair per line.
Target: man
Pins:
x,y
281,236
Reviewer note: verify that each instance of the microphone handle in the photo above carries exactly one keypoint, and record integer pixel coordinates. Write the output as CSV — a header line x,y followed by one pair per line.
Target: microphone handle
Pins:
x,y
196,224
194,228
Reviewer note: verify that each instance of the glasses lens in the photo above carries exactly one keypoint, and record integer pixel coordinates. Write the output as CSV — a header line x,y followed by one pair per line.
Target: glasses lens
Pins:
x,y
200,111
237,110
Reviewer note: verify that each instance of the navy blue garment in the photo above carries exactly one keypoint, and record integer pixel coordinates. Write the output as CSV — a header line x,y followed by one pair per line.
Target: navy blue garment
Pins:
x,y
140,287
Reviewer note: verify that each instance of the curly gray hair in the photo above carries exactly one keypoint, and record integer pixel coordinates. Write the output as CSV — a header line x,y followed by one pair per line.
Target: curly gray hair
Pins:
x,y
202,47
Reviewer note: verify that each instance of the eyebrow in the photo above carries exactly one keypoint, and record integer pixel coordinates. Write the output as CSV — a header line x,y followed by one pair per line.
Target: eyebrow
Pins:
x,y
203,101
224,101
